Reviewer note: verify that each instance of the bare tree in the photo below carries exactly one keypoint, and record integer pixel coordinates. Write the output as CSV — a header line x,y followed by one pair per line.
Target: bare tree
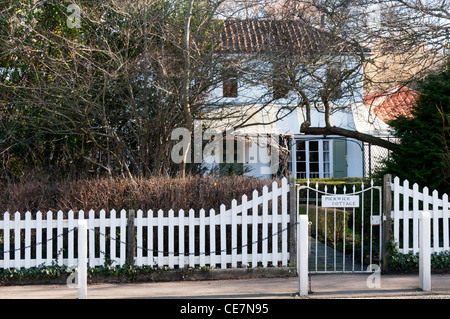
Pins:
x,y
92,89
408,39
107,94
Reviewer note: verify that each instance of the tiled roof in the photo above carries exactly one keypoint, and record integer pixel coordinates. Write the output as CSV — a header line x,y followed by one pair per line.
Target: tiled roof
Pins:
x,y
392,103
292,36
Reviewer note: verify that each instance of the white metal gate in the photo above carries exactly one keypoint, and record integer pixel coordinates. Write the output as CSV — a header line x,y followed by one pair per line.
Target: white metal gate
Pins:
x,y
345,226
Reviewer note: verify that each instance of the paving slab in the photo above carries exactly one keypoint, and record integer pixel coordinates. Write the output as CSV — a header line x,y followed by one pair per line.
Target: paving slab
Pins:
x,y
389,286
329,286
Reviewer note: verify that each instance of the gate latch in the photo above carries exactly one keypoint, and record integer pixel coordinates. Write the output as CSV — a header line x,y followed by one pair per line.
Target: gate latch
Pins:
x,y
375,220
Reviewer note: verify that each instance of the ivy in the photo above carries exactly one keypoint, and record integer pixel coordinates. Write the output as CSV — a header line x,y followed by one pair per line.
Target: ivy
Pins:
x,y
129,272
398,261
39,272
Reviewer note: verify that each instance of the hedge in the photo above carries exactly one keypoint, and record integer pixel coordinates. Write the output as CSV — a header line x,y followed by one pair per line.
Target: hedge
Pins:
x,y
123,193
410,262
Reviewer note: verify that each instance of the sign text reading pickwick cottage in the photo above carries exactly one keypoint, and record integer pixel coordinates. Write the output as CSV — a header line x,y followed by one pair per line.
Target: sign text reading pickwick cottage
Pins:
x,y
336,201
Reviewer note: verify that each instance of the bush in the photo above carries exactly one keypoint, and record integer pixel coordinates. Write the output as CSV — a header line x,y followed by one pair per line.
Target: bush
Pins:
x,y
332,220
410,261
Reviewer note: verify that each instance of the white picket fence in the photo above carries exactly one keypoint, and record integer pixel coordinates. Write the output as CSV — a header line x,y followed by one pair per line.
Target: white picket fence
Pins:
x,y
48,241
408,203
248,234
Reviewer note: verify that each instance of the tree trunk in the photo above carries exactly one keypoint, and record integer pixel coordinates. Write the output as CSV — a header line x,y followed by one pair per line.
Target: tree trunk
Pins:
x,y
186,82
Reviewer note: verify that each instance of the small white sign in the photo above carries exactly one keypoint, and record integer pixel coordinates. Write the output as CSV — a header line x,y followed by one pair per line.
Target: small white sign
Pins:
x,y
336,201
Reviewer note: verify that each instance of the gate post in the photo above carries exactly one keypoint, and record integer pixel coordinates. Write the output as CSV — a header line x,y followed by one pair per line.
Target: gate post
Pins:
x,y
82,259
131,237
302,255
293,211
425,251
386,220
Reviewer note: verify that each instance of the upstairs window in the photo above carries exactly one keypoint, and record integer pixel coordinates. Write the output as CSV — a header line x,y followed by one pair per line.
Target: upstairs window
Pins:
x,y
334,83
230,82
280,82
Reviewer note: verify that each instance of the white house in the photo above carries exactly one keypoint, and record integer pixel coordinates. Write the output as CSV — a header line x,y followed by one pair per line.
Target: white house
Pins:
x,y
257,96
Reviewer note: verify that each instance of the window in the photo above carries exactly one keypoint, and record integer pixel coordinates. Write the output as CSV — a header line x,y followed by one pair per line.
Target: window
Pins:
x,y
313,159
280,82
326,159
232,162
230,82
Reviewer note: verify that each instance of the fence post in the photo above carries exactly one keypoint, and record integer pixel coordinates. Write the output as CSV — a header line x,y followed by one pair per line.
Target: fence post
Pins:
x,y
425,251
293,220
386,222
82,259
302,256
131,236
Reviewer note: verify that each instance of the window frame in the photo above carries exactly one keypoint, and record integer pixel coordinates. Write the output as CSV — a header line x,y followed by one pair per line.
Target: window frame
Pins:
x,y
321,150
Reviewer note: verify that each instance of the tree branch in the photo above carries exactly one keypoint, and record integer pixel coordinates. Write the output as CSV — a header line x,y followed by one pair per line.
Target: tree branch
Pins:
x,y
333,130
